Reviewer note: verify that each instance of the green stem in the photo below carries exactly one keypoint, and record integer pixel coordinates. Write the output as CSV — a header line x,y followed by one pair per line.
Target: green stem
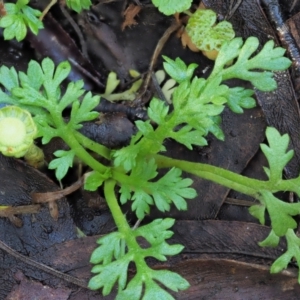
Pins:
x,y
112,202
221,176
91,145
122,224
187,12
69,137
80,152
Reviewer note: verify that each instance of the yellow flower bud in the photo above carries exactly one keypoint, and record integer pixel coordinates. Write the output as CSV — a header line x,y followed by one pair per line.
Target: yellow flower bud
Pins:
x,y
17,131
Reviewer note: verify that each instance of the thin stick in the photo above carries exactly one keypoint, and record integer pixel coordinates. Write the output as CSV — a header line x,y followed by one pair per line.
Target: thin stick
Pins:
x,y
52,196
76,28
232,8
161,43
17,210
45,11
85,72
293,5
239,202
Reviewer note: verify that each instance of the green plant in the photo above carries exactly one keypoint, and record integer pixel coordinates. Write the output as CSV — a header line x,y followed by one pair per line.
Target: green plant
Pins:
x,y
18,16
78,5
205,34
132,174
198,104
170,7
113,82
17,131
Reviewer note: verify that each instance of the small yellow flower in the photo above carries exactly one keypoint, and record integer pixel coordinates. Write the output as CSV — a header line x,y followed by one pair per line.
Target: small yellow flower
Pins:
x,y
17,131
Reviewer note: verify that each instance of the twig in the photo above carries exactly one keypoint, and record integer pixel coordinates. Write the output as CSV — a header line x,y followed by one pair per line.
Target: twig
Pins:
x,y
45,11
10,212
239,202
137,224
293,5
233,8
161,43
85,72
17,210
75,27
52,196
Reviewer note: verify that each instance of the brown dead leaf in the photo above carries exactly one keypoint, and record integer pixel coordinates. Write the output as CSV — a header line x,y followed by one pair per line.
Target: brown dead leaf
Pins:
x,y
129,14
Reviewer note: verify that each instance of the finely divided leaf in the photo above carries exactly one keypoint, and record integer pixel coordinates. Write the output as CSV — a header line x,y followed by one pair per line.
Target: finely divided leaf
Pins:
x,y
133,290
178,70
34,77
30,17
141,203
281,213
258,212
293,252
198,104
74,91
139,176
215,128
144,127
213,92
9,77
83,112
276,153
157,111
126,157
156,231
54,77
113,257
270,58
189,137
109,274
18,17
14,28
171,188
45,131
78,5
171,280
111,247
239,98
40,93
281,263
29,96
154,291
94,180
61,73
62,163
271,241
228,52
180,95
246,67
162,250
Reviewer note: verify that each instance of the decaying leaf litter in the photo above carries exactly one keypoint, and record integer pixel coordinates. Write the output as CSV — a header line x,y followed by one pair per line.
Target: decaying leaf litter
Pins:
x,y
209,202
